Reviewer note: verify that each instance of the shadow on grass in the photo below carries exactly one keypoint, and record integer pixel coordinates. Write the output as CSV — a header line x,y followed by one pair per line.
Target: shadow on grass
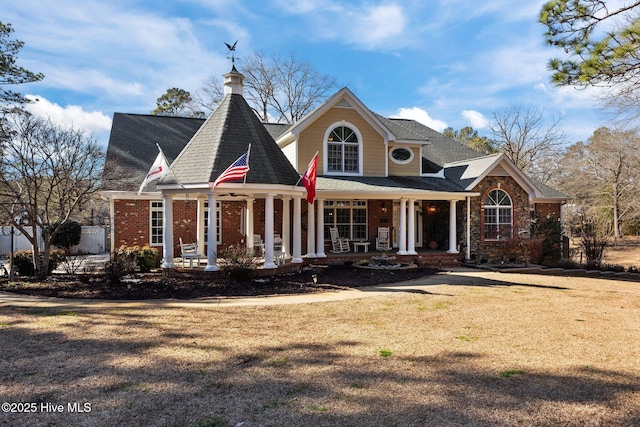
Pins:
x,y
192,377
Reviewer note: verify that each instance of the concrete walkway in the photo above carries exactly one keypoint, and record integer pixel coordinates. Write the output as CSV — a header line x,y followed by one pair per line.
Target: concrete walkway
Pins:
x,y
429,285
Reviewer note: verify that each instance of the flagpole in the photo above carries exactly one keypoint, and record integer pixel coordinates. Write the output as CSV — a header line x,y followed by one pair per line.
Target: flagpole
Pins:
x,y
300,179
244,181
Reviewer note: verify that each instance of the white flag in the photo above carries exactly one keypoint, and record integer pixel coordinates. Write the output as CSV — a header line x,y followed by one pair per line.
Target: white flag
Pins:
x,y
159,169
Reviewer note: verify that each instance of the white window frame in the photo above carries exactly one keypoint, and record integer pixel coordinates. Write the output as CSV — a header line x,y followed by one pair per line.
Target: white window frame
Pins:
x,y
326,143
156,232
401,162
351,205
494,210
206,222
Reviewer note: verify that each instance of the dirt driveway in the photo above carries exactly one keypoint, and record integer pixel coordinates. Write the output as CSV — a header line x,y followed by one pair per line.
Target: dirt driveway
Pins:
x,y
463,348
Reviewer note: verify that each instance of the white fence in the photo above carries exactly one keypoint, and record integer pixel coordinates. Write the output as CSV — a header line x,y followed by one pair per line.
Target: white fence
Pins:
x,y
92,240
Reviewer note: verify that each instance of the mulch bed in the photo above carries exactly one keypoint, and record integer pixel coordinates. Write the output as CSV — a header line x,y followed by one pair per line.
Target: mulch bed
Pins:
x,y
156,285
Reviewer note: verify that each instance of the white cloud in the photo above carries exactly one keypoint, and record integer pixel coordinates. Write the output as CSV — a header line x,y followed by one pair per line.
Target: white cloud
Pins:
x,y
69,116
476,119
421,116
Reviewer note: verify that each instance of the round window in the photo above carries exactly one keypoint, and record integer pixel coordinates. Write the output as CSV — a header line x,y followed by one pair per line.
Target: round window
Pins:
x,y
401,155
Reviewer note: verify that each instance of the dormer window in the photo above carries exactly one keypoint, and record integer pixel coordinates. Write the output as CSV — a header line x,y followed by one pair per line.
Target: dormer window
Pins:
x,y
343,152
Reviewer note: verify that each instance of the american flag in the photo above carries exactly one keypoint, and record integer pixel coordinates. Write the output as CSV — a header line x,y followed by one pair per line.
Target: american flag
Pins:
x,y
237,170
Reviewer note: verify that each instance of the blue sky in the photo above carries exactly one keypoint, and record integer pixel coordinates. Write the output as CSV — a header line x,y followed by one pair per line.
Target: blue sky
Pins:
x,y
442,62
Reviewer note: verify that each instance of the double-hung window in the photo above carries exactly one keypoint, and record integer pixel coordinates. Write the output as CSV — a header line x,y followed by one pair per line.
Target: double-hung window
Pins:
x,y
498,215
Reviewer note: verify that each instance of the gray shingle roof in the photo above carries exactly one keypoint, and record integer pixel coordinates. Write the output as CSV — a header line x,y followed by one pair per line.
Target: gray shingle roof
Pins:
x,y
365,184
132,146
223,138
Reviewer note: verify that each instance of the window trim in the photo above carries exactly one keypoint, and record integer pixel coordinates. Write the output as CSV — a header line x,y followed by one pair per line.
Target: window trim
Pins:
x,y
351,205
157,209
325,146
496,208
401,162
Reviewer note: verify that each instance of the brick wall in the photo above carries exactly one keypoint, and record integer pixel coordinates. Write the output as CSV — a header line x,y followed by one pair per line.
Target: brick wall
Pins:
x,y
493,251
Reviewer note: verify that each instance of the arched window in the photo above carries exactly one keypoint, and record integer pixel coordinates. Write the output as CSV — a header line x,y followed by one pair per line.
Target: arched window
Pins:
x,y
498,215
343,151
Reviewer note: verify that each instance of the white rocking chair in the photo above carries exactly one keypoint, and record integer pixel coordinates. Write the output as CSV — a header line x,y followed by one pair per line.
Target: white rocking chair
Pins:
x,y
340,244
382,241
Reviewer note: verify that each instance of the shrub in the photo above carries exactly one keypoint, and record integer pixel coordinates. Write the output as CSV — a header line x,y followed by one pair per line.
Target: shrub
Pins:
x,y
69,234
238,263
128,259
23,262
120,264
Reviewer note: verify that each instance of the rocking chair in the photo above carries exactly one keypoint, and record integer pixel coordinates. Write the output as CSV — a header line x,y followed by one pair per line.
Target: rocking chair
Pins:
x,y
340,244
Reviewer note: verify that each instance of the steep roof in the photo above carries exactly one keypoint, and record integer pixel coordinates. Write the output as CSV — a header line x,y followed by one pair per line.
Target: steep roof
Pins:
x,y
224,137
132,146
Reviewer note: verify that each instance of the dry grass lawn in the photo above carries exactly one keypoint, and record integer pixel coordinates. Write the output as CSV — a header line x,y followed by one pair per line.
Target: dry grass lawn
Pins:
x,y
478,349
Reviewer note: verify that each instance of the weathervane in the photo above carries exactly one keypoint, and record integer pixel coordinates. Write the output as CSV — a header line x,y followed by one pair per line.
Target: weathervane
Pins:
x,y
232,48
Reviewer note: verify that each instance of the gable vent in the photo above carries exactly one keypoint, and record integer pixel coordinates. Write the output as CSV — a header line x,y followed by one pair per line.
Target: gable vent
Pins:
x,y
499,171
344,104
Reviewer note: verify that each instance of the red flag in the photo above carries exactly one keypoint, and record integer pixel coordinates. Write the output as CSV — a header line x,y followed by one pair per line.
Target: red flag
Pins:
x,y
237,170
309,179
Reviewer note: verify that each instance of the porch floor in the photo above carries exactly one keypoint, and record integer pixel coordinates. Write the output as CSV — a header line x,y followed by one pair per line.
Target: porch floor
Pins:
x,y
424,258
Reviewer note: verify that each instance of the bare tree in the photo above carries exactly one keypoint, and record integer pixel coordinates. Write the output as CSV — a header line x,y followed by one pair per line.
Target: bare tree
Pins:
x,y
603,176
280,88
522,133
46,173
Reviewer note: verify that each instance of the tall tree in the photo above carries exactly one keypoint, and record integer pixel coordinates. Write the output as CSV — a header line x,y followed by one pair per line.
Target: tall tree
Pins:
x,y
602,43
46,174
469,137
10,72
176,102
609,176
527,139
280,88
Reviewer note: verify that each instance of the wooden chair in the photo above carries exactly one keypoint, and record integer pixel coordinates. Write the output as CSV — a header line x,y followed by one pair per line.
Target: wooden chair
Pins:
x,y
258,245
189,251
340,244
383,242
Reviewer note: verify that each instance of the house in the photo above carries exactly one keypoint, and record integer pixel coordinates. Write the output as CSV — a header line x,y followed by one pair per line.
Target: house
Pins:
x,y
432,192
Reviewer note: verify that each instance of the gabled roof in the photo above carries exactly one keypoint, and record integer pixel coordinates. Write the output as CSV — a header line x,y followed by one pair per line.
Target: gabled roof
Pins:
x,y
132,146
224,137
469,173
343,97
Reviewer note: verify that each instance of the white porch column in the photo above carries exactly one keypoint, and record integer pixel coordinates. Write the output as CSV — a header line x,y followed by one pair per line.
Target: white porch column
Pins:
x,y
468,249
297,230
402,224
268,232
453,249
286,227
167,232
200,225
249,223
320,230
411,250
311,232
212,235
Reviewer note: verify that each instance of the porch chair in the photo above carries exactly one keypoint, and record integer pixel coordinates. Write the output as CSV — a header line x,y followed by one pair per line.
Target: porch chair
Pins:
x,y
340,244
189,251
278,253
258,245
382,241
